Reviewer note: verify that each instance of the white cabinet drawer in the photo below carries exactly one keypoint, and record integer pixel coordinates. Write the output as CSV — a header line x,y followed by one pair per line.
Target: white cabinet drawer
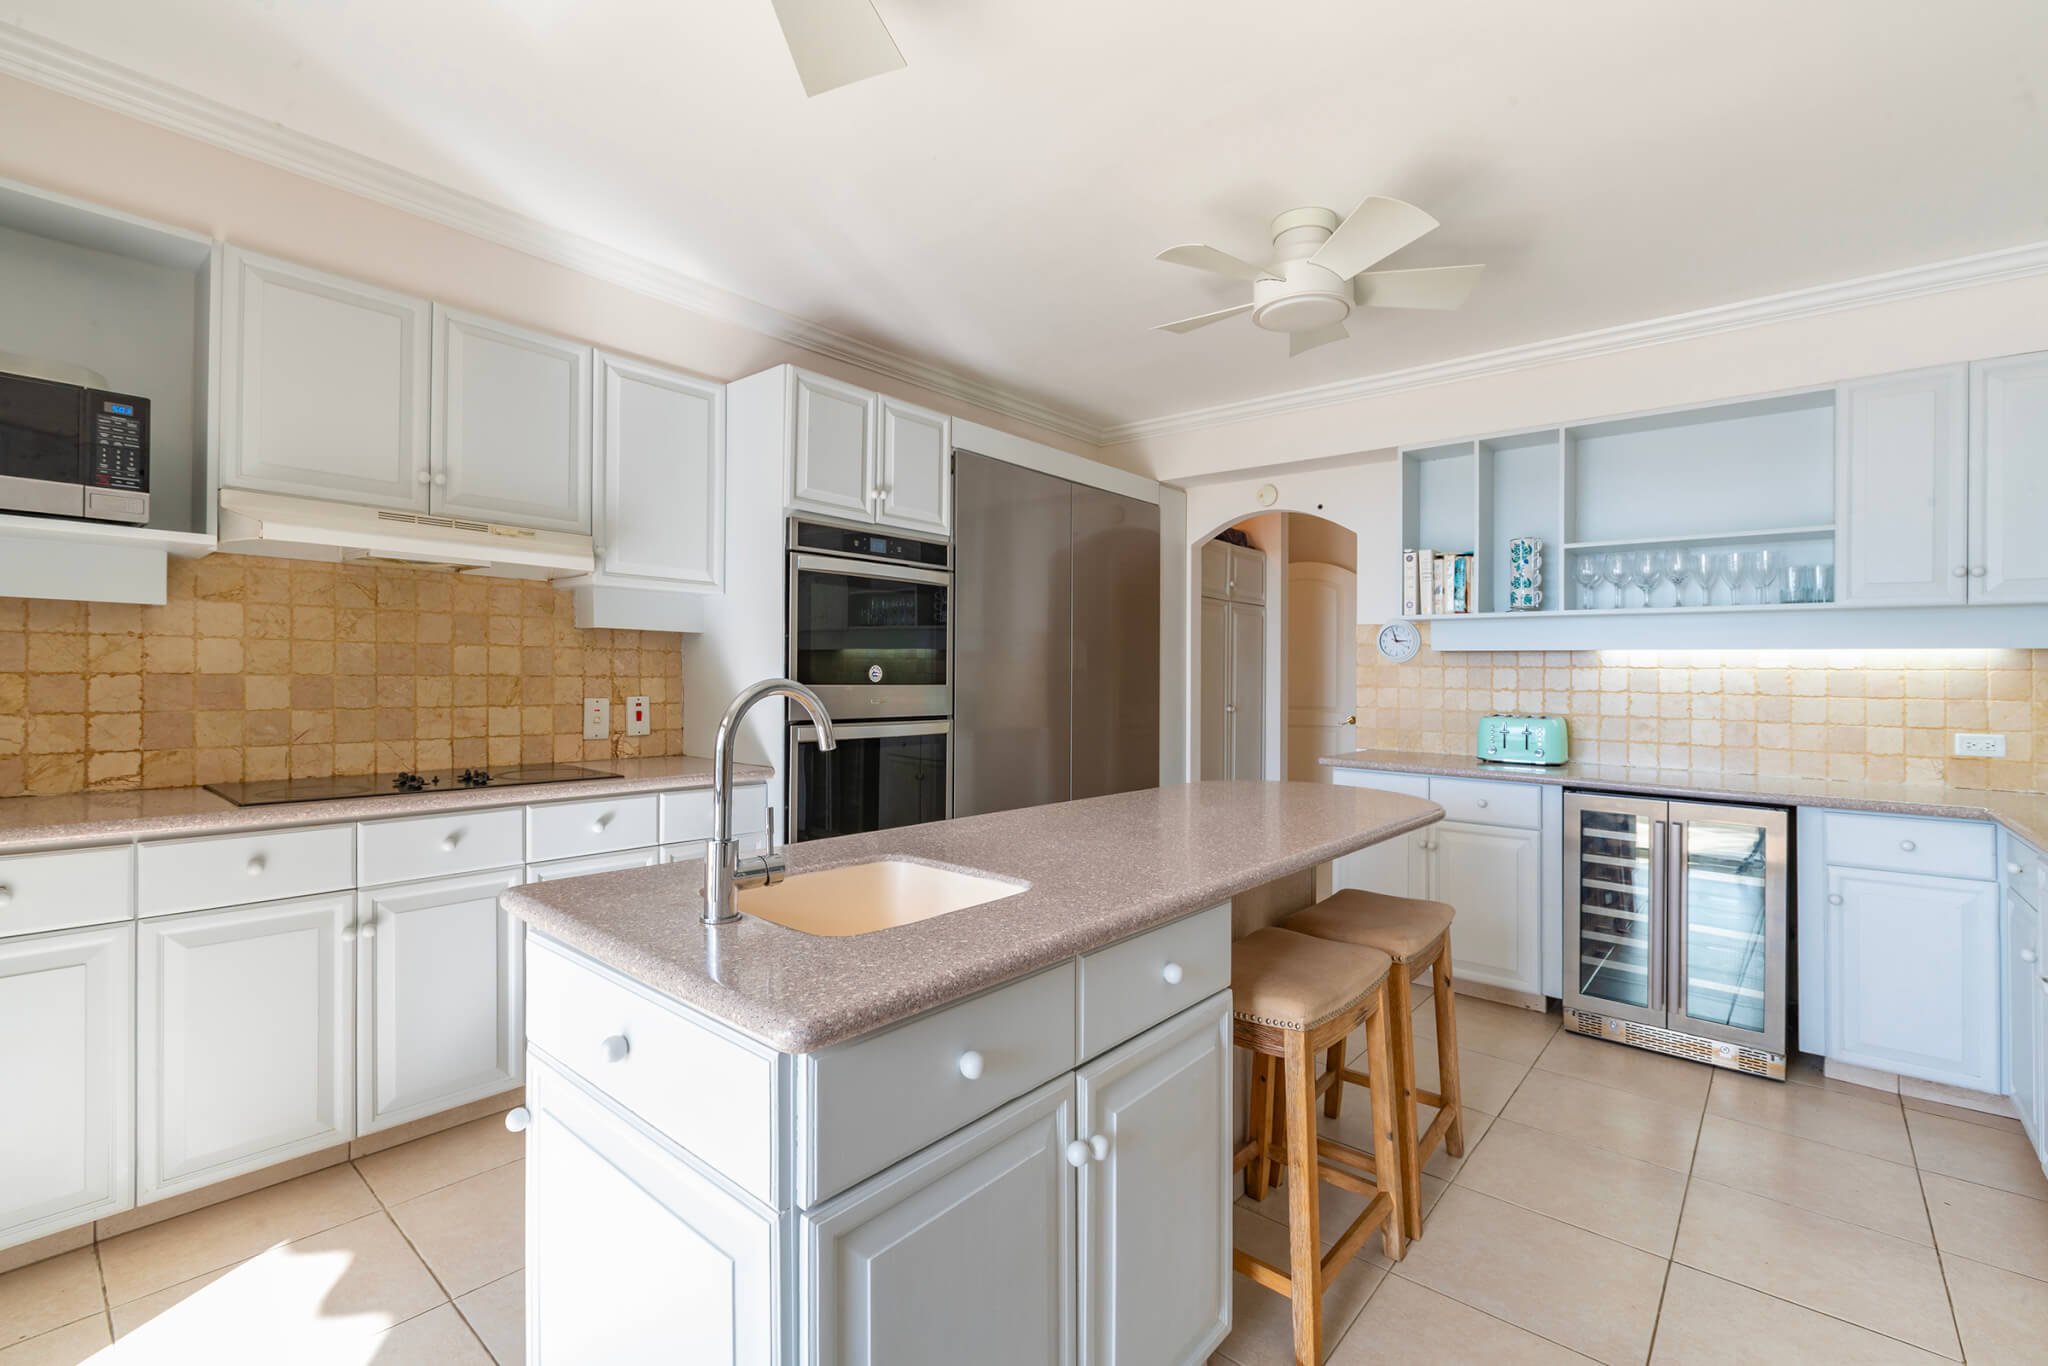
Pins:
x,y
668,1067
67,888
756,843
593,863
1912,845
1128,987
1407,784
603,826
436,846
1484,803
228,870
687,815
2024,872
864,1103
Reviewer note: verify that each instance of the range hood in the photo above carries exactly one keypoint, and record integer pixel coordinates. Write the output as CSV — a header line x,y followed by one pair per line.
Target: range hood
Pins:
x,y
314,529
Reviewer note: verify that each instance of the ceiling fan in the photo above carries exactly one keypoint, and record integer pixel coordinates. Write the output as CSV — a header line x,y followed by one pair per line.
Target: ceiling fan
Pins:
x,y
1320,272
836,42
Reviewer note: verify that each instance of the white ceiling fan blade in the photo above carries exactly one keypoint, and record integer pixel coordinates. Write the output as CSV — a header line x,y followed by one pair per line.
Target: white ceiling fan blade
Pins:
x,y
1202,319
836,42
1298,342
1198,256
1431,287
1377,229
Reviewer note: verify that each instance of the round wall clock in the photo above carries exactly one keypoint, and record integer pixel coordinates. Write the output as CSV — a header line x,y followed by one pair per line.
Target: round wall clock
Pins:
x,y
1398,641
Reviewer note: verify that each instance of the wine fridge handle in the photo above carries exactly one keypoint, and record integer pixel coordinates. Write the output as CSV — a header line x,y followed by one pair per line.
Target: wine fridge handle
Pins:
x,y
1677,984
1654,947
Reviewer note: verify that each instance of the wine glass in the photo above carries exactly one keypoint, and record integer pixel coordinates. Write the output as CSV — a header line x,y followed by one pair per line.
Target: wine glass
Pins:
x,y
1674,567
1644,574
1703,574
1763,575
1729,566
1588,573
1615,570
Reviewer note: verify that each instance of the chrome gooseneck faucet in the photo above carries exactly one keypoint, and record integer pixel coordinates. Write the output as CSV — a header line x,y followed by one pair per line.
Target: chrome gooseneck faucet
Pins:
x,y
725,872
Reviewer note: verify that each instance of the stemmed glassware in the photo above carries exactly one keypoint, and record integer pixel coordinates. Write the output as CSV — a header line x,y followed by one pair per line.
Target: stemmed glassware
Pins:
x,y
1589,576
1728,568
1643,572
1615,571
1678,570
1763,575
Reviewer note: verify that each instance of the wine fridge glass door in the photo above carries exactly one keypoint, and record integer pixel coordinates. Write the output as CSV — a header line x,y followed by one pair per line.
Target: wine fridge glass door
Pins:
x,y
1728,950
1615,945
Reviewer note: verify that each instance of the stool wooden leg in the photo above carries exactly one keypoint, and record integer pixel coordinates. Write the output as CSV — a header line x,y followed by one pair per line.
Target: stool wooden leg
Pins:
x,y
1393,1161
1259,1124
1333,1062
1304,1241
1276,1168
1448,1085
1406,1170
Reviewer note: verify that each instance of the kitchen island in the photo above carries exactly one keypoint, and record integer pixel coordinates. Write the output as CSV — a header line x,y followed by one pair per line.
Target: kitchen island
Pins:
x,y
997,1134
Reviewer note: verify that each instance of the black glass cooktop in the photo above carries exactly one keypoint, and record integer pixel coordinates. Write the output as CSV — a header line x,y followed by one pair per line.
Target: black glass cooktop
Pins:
x,y
272,791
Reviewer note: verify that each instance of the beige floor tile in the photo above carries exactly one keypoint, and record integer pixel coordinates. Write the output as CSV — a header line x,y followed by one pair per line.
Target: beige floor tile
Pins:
x,y
473,1232
49,1294
497,1315
1336,1208
1620,1121
1354,1126
1262,1321
1588,1293
1507,1032
1850,1186
2003,1316
1805,1070
1674,1081
1711,1322
1987,1225
1402,1316
1961,1112
153,1258
132,1315
1486,1082
438,1337
1879,1282
66,1346
412,1169
1603,1192
1977,1152
1876,1126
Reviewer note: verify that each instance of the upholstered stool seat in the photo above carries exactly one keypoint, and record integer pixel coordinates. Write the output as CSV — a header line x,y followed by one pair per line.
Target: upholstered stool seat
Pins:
x,y
1401,927
1295,981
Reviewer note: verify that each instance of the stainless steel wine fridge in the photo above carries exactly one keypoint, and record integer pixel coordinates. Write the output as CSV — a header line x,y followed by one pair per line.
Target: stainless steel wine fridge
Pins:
x,y
1675,928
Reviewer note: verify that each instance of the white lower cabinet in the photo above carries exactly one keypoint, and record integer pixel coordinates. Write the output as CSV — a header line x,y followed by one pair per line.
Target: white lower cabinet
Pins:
x,y
243,1038
1490,873
67,1060
438,997
2025,1005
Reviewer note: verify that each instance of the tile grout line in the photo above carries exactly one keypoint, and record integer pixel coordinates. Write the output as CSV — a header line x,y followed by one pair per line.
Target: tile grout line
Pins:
x,y
1684,1198
106,1301
411,1247
1934,1239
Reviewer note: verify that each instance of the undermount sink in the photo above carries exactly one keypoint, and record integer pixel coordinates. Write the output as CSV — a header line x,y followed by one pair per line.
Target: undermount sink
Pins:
x,y
864,897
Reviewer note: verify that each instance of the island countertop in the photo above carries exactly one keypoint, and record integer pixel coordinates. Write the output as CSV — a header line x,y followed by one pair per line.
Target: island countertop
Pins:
x,y
1098,870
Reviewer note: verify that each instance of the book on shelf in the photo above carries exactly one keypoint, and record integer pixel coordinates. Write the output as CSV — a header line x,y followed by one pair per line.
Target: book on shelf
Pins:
x,y
1436,584
1409,582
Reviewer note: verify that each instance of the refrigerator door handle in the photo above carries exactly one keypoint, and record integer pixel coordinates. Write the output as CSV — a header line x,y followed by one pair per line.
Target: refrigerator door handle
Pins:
x,y
1675,918
1659,833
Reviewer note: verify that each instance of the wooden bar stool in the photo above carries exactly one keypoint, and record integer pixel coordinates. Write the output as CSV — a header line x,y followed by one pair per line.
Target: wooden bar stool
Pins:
x,y
1293,997
1416,935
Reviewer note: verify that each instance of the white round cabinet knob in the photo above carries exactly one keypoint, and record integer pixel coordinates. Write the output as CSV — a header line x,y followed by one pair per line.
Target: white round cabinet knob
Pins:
x,y
2028,955
1078,1154
1171,974
369,929
970,1065
348,934
1960,571
424,477
2013,870
6,894
1908,845
1482,803
440,481
1099,1145
518,1118
597,826
255,868
1834,898
448,844
616,1048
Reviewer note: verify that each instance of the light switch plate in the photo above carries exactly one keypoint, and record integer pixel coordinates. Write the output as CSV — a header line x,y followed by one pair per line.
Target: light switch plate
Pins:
x,y
639,717
597,718
1970,746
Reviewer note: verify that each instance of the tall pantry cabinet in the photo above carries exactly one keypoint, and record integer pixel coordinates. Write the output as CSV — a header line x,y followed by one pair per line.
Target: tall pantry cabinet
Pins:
x,y
1233,661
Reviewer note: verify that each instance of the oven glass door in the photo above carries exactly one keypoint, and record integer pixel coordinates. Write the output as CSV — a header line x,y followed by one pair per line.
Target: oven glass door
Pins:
x,y
39,426
871,640
878,777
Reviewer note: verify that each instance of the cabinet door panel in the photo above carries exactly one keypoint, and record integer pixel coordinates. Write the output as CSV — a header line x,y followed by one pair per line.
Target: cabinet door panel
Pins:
x,y
67,1056
1247,574
1491,874
832,460
1902,483
324,385
1155,1210
511,424
917,462
2008,479
661,443
439,986
1247,691
2023,1004
244,1053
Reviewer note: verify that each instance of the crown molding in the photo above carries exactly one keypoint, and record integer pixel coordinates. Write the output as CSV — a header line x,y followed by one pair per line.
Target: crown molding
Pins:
x,y
1963,272
83,76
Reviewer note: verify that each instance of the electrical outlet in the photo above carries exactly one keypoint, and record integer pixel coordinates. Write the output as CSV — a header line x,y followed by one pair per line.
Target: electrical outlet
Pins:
x,y
1979,746
639,717
597,718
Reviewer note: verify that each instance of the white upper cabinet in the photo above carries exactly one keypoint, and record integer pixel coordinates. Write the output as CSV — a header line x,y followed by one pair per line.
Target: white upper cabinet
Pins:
x,y
661,471
511,433
1903,489
2008,479
832,456
324,385
917,458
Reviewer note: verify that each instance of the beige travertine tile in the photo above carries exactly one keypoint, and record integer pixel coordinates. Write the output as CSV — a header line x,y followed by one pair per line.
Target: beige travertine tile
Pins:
x,y
1968,1116
1988,1225
1876,1127
1976,1152
1354,1126
1401,1316
1850,1186
2003,1316
1488,1027
1707,1321
1262,1321
1487,1081
1673,1081
66,1346
438,1337
412,1169
472,1232
44,1248
49,1294
497,1315
1593,1295
1603,1192
1872,1279
1620,1121
134,1314
151,1259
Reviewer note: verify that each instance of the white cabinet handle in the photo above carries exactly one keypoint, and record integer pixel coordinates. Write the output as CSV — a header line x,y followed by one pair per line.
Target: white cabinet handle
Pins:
x,y
348,934
1482,803
616,1048
1961,571
1907,845
597,826
2013,870
1078,1154
517,1118
1100,1145
596,548
1976,571
1834,898
255,868
424,477
2028,956
369,929
448,844
1227,708
1170,974
440,480
971,1064
6,894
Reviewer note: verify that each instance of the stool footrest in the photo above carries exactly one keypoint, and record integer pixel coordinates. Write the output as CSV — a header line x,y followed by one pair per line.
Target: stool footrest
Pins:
x,y
1356,1078
1433,1135
1433,1099
1363,1227
1336,1156
1265,1273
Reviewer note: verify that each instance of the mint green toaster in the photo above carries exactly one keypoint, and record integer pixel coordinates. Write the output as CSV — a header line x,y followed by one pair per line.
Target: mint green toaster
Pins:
x,y
1524,740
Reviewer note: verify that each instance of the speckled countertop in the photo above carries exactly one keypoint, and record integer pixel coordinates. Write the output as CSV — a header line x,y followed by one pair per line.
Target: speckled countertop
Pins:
x,y
1098,871
2023,813
169,812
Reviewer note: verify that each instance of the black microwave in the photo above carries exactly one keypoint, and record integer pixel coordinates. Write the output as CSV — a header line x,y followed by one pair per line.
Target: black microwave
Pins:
x,y
71,451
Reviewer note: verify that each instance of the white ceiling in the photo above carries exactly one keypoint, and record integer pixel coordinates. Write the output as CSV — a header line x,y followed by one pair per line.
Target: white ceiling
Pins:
x,y
996,205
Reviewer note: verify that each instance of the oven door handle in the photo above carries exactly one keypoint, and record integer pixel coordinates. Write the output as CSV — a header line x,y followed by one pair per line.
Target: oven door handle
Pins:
x,y
870,569
872,730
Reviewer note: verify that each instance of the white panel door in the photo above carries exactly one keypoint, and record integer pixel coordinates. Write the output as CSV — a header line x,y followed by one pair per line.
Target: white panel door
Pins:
x,y
917,468
1247,574
243,1046
832,468
511,424
1155,1203
1247,691
1215,569
67,1069
1322,667
961,1253
1215,708
638,1256
2023,1005
439,986
1913,975
661,508
2008,479
324,385
1902,488
1492,876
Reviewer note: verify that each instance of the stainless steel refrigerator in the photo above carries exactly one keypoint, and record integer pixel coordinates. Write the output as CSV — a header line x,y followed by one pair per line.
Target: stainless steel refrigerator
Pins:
x,y
1675,928
1055,639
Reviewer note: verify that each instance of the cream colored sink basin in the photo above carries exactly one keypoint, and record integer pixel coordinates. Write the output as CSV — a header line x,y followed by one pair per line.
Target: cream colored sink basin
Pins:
x,y
864,897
